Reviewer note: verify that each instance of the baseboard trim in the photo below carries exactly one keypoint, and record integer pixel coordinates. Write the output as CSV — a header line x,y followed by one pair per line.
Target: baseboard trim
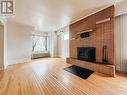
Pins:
x,y
18,61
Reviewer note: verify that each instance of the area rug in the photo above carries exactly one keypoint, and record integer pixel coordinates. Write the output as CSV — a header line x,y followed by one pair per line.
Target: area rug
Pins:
x,y
79,71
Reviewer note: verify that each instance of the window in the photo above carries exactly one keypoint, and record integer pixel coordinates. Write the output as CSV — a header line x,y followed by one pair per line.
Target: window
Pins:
x,y
39,43
65,36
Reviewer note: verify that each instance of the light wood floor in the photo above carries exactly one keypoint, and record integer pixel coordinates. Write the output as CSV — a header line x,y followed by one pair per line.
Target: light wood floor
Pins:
x,y
47,77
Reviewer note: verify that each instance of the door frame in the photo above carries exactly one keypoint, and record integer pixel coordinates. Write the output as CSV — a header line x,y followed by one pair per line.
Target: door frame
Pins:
x,y
2,44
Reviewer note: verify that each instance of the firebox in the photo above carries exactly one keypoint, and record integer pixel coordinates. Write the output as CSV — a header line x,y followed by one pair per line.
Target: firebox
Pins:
x,y
86,53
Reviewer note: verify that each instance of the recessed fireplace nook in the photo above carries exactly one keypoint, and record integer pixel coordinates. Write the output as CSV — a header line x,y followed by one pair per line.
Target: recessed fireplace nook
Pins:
x,y
92,42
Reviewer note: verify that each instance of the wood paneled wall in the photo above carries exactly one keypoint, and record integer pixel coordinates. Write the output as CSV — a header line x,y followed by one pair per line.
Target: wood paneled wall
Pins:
x,y
102,34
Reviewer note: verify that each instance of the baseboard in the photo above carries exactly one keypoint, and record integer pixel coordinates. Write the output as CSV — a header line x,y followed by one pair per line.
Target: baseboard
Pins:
x,y
18,61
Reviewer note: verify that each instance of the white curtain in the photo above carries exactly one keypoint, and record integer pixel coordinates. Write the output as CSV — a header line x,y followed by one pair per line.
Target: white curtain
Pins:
x,y
39,43
121,43
35,39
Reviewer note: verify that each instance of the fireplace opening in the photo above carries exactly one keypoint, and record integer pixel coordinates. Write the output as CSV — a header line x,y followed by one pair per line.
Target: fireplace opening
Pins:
x,y
86,53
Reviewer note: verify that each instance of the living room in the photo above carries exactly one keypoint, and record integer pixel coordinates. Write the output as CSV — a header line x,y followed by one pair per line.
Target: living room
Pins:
x,y
63,47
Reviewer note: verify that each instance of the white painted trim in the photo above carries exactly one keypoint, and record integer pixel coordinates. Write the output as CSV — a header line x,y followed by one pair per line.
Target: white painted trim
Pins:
x,y
5,67
91,13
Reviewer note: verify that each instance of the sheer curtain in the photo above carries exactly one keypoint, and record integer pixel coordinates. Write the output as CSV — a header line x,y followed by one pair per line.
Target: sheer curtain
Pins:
x,y
35,39
121,43
39,43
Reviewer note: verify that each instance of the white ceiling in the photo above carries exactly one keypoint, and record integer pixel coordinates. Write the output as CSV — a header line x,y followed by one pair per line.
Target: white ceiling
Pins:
x,y
49,15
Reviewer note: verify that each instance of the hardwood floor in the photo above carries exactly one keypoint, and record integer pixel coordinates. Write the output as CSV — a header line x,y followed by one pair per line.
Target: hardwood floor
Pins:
x,y
47,77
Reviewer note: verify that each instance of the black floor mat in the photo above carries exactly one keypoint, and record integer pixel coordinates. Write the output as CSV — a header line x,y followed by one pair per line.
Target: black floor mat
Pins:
x,y
79,71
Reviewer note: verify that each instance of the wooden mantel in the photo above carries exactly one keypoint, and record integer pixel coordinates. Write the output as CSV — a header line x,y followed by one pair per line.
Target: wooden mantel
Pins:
x,y
103,34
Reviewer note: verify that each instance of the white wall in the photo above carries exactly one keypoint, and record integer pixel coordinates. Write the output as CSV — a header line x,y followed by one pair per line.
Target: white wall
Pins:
x,y
121,8
63,48
63,45
19,42
53,44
